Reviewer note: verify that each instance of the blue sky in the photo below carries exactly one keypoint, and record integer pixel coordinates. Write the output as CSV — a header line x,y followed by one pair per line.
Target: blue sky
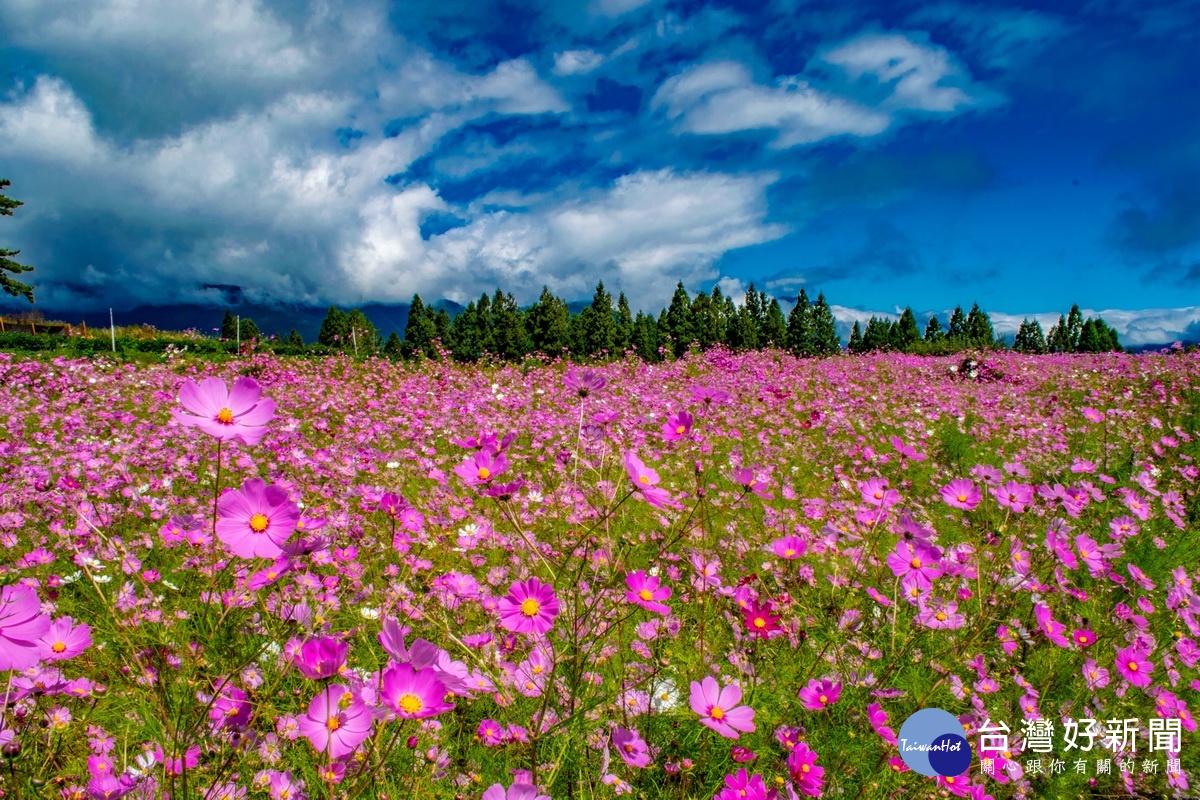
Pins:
x,y
1022,155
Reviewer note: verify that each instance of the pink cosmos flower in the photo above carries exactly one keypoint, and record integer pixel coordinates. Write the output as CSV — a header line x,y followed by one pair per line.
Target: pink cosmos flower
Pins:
x,y
584,383
1083,637
789,547
743,786
321,657
22,624
876,493
819,695
1048,625
1014,496
64,640
529,607
1094,675
645,481
802,766
645,591
677,426
906,450
759,619
962,493
916,558
256,521
1134,665
877,717
239,414
412,693
491,733
482,467
718,708
336,722
631,747
230,709
938,614
518,791
749,479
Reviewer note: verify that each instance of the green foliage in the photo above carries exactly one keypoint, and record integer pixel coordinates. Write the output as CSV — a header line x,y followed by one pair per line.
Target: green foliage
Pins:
x,y
933,330
393,348
7,265
294,339
856,339
548,323
774,330
824,328
624,334
801,340
228,325
249,330
1029,338
598,326
364,337
646,337
678,324
334,328
420,332
905,333
508,328
979,328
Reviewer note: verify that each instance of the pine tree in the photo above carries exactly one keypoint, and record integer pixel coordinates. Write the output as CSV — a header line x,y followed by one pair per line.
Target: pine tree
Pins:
x,y
1089,340
598,325
229,326
463,337
250,331
1036,339
729,314
8,284
906,334
508,328
1059,341
646,337
708,318
1108,336
877,336
678,323
933,330
393,347
824,328
755,308
957,331
800,338
335,328
624,335
774,331
856,339
294,339
362,332
979,328
419,331
548,324
1074,328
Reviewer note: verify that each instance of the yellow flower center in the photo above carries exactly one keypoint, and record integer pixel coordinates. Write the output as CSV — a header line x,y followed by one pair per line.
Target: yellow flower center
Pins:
x,y
629,748
962,498
680,429
530,607
225,416
259,523
915,563
717,713
824,699
788,553
1133,667
646,595
644,479
941,616
410,703
805,768
333,723
58,647
484,473
760,623
538,670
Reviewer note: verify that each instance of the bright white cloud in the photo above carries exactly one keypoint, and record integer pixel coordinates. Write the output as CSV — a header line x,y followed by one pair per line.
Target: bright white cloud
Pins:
x,y
577,62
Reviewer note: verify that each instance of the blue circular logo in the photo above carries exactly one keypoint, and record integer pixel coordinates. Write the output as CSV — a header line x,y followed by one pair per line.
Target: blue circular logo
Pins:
x,y
933,742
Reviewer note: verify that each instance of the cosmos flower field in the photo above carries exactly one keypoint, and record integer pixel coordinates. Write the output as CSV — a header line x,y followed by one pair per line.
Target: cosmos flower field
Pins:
x,y
728,576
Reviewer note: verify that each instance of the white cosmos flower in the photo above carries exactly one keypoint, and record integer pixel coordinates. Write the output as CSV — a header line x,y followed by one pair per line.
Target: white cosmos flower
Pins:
x,y
369,613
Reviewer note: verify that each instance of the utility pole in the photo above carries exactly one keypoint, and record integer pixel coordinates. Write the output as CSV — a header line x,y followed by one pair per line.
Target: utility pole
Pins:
x,y
239,334
112,330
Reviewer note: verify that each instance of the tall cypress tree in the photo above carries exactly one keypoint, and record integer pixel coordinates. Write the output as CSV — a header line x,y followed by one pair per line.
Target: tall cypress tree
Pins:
x,y
363,331
706,321
335,328
755,308
228,326
599,326
393,347
677,322
624,332
294,339
548,324
824,328
508,328
7,284
979,328
1059,341
463,338
877,336
933,330
856,339
774,330
646,339
800,338
419,331
906,334
957,331
1074,329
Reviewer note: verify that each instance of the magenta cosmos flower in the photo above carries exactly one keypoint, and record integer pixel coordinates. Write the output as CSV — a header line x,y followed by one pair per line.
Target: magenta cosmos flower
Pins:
x,y
819,695
1134,665
584,383
631,747
645,591
239,414
645,482
529,607
22,624
321,657
256,521
482,467
677,426
64,640
802,766
413,693
961,493
518,791
336,722
718,708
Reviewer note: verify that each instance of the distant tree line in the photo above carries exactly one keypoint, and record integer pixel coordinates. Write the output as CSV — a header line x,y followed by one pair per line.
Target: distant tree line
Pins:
x,y
495,326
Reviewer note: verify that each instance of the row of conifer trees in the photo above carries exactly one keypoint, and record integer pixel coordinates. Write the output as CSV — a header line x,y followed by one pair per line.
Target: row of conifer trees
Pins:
x,y
496,326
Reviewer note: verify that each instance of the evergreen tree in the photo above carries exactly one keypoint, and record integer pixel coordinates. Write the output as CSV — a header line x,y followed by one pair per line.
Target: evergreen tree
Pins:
x,y
294,339
744,335
877,336
335,328
856,339
250,330
800,338
419,332
1107,335
508,328
678,323
1059,341
824,328
362,332
646,337
598,325
441,324
979,328
624,335
1074,329
957,331
548,324
1024,341
706,321
229,326
755,309
933,330
729,314
7,284
774,331
464,338
1089,341
906,334
393,348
